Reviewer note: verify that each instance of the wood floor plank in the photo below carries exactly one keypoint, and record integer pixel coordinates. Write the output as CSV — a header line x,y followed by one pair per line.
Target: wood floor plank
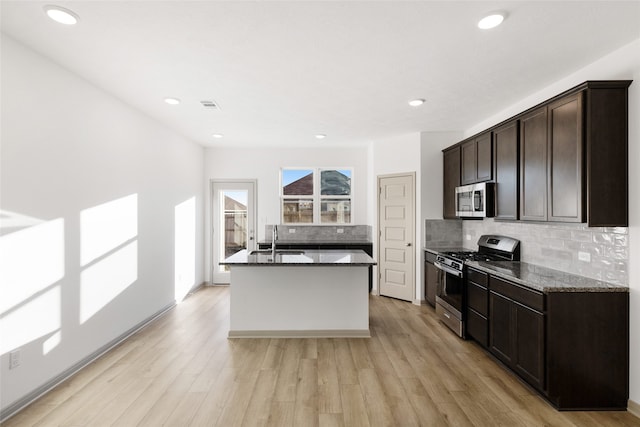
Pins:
x,y
413,371
257,413
306,407
355,411
288,376
376,404
329,401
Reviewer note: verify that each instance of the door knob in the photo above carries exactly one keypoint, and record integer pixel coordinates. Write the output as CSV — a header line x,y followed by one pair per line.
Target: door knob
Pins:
x,y
408,244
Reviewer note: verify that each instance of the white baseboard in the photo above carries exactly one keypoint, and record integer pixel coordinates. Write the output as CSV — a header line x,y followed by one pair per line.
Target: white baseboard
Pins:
x,y
634,408
332,333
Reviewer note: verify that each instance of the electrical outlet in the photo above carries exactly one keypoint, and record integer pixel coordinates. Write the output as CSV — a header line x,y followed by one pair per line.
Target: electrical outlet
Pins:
x,y
584,256
292,230
340,230
14,359
468,236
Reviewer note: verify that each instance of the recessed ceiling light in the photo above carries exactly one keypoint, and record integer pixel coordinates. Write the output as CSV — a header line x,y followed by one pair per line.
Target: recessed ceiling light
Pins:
x,y
492,20
61,15
416,102
172,101
217,135
321,136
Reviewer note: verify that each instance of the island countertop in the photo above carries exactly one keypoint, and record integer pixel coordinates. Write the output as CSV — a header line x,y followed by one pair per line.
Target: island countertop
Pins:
x,y
306,257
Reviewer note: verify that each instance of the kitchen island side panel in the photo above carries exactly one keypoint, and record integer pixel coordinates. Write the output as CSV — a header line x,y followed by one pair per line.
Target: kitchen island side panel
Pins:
x,y
281,300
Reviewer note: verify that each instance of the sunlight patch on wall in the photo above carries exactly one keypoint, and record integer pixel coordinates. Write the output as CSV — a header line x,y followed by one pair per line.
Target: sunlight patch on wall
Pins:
x,y
185,248
108,253
52,342
103,281
32,260
31,320
107,226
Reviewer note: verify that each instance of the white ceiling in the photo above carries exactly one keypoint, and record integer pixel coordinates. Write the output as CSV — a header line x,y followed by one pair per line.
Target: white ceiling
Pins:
x,y
285,71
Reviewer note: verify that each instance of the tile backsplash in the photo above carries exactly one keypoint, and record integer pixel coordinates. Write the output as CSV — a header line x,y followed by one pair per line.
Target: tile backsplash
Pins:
x,y
596,252
315,233
441,233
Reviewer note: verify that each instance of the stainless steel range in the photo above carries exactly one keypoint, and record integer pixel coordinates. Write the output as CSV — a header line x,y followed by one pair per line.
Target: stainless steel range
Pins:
x,y
450,295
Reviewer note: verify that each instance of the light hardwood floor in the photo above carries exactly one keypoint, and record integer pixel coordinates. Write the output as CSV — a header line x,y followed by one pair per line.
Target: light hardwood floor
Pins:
x,y
183,371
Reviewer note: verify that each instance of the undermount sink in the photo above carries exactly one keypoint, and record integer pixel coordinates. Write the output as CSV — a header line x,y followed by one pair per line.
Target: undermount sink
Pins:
x,y
278,252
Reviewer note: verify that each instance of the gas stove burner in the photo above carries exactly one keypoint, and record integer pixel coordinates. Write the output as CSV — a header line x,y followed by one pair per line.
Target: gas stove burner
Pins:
x,y
471,256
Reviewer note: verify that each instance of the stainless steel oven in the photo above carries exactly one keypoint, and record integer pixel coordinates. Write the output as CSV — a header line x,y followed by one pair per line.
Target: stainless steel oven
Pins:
x,y
450,293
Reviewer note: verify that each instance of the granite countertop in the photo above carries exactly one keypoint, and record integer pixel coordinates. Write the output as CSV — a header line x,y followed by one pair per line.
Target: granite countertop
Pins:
x,y
307,257
544,279
536,277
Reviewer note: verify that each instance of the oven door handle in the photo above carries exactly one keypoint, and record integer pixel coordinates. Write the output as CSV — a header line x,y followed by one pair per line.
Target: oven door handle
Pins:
x,y
448,270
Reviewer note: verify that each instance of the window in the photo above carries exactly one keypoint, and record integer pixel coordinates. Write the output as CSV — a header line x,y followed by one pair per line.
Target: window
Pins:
x,y
316,196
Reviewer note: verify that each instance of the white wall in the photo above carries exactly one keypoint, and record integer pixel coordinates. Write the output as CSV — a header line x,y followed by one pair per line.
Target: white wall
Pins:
x,y
622,64
92,193
431,144
264,164
396,155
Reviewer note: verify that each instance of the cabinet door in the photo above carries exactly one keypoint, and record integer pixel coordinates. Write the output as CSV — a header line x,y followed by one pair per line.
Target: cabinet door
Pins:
x,y
529,344
533,166
476,159
505,161
432,275
565,160
469,162
477,328
500,330
451,181
483,154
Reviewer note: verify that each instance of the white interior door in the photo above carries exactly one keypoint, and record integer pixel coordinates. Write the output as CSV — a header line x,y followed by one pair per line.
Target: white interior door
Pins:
x,y
396,248
233,223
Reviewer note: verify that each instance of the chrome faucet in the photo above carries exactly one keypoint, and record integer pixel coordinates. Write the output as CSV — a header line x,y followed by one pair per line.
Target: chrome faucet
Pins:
x,y
274,237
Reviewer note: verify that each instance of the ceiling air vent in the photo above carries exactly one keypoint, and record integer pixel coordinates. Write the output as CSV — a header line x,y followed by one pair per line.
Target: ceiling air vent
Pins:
x,y
211,105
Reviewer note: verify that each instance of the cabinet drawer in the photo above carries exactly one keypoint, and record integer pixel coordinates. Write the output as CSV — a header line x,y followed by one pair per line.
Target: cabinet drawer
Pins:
x,y
478,298
478,328
479,277
528,297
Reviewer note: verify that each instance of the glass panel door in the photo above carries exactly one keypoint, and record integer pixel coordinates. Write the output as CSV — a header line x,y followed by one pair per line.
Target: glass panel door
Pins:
x,y
233,223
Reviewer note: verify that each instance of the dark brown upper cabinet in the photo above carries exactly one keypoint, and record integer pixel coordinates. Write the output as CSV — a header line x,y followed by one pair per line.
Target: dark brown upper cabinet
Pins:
x,y
451,180
565,179
572,159
606,153
533,165
476,159
506,155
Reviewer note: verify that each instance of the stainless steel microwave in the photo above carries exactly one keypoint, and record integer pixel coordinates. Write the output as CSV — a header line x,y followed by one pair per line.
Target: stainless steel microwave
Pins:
x,y
475,200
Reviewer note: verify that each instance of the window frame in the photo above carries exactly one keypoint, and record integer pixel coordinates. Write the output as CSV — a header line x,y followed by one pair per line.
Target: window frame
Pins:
x,y
317,197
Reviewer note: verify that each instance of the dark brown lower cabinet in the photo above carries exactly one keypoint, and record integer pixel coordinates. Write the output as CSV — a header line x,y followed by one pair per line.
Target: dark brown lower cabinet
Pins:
x,y
477,294
573,347
588,350
517,338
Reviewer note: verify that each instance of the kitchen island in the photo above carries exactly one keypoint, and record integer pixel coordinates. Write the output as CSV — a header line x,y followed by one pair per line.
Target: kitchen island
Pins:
x,y
295,293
